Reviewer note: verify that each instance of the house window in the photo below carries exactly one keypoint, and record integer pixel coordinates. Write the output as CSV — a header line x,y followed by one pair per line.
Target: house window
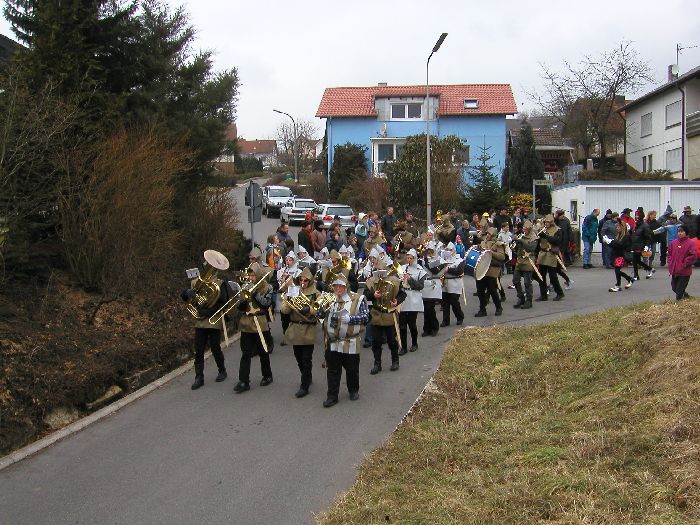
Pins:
x,y
644,164
673,160
471,103
573,210
673,114
461,157
646,125
406,111
386,153
650,162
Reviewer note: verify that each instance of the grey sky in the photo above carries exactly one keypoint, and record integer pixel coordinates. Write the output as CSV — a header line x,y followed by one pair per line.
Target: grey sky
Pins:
x,y
288,52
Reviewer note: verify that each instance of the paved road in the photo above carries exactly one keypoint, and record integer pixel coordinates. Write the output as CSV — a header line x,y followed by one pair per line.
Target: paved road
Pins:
x,y
178,456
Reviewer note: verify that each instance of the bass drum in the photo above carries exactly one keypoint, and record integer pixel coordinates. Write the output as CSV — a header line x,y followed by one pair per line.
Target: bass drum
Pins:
x,y
477,263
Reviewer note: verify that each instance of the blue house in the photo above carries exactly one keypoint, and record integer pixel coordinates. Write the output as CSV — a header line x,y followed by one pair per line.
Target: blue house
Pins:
x,y
381,117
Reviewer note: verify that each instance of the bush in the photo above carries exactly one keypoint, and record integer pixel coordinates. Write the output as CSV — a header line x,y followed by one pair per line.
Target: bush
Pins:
x,y
368,194
115,209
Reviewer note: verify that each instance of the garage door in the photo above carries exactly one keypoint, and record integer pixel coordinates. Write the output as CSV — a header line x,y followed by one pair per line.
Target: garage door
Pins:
x,y
681,197
619,198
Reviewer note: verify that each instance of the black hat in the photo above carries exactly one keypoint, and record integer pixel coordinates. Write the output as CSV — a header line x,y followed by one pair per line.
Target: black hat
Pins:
x,y
627,210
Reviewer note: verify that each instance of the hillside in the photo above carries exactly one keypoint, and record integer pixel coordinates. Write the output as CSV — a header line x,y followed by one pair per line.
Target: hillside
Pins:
x,y
594,419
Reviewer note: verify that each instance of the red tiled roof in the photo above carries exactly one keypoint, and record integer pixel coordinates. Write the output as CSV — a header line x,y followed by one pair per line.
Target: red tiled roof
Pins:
x,y
494,99
251,147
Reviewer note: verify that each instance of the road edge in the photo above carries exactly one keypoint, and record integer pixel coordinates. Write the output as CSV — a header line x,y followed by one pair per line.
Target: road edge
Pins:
x,y
75,427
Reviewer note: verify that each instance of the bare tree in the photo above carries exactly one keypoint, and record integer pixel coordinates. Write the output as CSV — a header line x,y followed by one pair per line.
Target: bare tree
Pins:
x,y
583,96
306,134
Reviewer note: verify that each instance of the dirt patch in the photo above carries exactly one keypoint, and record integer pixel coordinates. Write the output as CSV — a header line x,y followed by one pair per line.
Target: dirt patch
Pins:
x,y
61,349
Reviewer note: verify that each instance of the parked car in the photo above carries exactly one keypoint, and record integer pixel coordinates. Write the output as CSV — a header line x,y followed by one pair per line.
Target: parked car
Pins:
x,y
296,209
326,213
274,197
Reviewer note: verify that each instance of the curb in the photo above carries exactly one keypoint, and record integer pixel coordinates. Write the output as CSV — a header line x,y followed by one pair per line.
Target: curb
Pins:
x,y
77,426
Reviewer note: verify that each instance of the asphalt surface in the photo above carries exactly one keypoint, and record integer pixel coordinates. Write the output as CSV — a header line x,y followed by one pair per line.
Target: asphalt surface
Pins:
x,y
178,456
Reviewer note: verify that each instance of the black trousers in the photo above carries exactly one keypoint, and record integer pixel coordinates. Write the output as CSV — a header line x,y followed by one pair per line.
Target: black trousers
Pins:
x,y
678,284
663,251
335,362
407,320
378,335
560,271
430,320
250,346
619,274
303,355
451,300
213,337
637,262
550,271
527,277
485,287
285,321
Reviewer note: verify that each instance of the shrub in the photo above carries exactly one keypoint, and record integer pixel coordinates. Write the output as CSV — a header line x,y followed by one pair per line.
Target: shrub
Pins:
x,y
115,209
367,194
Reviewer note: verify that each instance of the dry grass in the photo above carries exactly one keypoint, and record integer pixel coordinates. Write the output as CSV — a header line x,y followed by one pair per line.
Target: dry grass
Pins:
x,y
593,419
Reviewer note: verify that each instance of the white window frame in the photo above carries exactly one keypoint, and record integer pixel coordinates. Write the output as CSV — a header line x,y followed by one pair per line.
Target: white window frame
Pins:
x,y
405,104
676,115
471,103
674,164
375,154
645,132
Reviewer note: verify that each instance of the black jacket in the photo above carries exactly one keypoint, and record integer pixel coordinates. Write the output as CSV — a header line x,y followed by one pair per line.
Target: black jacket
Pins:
x,y
641,236
619,248
304,239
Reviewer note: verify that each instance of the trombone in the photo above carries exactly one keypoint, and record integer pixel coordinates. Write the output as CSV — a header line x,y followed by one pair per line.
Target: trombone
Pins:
x,y
244,295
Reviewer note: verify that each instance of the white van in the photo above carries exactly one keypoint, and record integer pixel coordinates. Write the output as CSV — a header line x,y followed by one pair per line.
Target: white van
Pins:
x,y
274,197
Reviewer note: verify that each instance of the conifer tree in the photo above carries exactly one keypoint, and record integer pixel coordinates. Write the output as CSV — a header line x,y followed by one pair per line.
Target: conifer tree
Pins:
x,y
485,192
525,164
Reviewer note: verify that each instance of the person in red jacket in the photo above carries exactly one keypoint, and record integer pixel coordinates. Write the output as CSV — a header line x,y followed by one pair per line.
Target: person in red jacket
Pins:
x,y
681,257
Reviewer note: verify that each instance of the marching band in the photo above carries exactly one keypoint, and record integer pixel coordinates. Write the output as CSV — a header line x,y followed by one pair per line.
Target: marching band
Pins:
x,y
364,301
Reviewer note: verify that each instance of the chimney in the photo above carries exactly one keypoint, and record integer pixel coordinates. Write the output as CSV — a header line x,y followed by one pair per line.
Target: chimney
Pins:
x,y
381,84
672,72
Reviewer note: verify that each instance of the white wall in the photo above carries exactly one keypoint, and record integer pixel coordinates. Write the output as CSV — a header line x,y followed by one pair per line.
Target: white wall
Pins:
x,y
661,138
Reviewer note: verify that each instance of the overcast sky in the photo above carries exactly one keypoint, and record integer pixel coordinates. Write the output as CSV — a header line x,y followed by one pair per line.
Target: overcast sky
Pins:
x,y
287,52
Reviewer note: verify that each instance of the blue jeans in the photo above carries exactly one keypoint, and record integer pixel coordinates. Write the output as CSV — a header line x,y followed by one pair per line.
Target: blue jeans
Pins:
x,y
607,255
587,250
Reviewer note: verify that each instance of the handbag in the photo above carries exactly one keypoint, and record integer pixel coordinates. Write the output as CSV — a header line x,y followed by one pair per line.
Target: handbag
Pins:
x,y
619,262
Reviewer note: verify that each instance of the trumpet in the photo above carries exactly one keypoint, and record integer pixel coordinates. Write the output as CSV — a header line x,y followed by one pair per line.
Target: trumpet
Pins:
x,y
334,271
514,243
540,232
244,295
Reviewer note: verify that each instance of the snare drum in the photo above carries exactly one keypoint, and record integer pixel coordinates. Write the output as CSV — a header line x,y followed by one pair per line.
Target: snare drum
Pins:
x,y
477,263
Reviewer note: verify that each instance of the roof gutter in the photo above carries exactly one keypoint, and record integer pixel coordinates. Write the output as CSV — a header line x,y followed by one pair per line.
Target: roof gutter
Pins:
x,y
682,130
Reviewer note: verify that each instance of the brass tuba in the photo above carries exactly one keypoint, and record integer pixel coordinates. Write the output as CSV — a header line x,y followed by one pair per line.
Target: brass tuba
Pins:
x,y
244,295
389,290
206,289
334,271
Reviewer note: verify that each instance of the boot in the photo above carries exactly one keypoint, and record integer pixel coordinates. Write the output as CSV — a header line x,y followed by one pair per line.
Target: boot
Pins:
x,y
376,368
241,386
559,297
198,376
520,303
413,348
480,313
527,304
543,298
394,365
499,311
221,376
403,350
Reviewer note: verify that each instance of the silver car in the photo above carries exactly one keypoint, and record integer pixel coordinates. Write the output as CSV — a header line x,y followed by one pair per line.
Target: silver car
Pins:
x,y
296,210
326,213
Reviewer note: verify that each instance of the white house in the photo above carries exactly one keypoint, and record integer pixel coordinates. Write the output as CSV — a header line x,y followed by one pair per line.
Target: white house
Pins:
x,y
663,127
578,199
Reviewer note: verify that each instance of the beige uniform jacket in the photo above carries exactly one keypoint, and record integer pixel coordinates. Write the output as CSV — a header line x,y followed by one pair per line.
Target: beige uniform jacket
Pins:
x,y
302,329
498,255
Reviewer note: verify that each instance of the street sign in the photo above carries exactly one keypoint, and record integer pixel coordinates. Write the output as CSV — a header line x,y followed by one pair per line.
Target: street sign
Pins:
x,y
254,214
253,194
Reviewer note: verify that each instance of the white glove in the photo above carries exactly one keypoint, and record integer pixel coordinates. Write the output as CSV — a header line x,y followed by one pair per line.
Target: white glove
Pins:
x,y
345,318
646,248
606,239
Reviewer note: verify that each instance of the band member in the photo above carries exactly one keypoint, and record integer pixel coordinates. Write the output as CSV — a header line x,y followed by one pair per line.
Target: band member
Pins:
x,y
287,276
402,242
384,257
302,329
337,267
305,260
432,291
524,265
386,294
412,282
346,321
488,285
204,331
411,225
452,275
446,231
373,240
256,256
369,265
548,257
252,326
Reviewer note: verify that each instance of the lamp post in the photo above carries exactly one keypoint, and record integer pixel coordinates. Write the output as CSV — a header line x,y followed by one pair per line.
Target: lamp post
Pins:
x,y
428,193
295,144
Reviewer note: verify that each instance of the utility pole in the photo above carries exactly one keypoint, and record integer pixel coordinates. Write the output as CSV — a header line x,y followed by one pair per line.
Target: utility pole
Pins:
x,y
429,189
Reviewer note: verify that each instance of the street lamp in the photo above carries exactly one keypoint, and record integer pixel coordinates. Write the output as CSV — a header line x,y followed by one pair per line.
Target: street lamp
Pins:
x,y
295,144
429,195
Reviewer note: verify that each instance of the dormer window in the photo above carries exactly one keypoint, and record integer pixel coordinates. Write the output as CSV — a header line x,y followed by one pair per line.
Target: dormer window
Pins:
x,y
406,111
471,103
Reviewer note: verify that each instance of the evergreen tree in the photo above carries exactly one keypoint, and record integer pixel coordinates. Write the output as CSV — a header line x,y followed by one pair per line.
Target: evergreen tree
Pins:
x,y
525,164
485,192
349,165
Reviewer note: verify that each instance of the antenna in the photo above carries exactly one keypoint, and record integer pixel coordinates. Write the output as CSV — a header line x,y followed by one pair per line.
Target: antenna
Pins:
x,y
679,48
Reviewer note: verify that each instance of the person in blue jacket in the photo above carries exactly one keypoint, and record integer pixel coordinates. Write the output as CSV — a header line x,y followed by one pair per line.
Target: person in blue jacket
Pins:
x,y
589,234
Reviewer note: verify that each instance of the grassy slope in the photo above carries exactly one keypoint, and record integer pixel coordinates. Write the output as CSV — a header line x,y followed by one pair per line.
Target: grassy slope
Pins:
x,y
593,419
